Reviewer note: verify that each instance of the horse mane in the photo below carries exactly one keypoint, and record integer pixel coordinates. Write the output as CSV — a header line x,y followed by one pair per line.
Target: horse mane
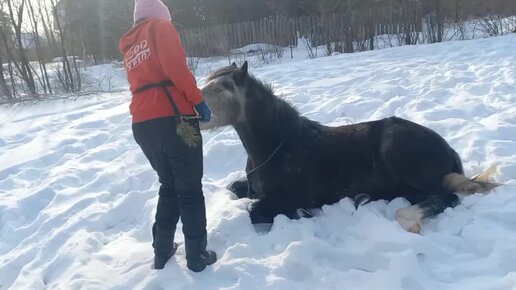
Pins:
x,y
254,81
221,72
290,124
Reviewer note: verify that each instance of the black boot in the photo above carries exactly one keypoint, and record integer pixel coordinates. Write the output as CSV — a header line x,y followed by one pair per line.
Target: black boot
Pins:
x,y
164,246
161,259
197,257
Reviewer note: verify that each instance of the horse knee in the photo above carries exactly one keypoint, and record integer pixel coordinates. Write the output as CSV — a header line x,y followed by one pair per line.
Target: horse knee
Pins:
x,y
261,211
264,210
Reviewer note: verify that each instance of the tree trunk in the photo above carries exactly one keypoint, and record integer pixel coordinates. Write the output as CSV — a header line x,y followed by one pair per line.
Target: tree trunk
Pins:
x,y
68,75
24,66
45,82
4,88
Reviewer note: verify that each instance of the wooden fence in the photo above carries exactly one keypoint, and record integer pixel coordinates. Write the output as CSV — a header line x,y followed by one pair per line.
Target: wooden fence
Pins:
x,y
320,30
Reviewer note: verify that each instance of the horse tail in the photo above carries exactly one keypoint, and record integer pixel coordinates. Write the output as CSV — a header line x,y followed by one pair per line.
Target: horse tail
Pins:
x,y
480,183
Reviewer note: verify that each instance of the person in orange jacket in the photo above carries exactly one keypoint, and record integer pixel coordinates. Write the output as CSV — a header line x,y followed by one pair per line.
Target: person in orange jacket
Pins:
x,y
165,95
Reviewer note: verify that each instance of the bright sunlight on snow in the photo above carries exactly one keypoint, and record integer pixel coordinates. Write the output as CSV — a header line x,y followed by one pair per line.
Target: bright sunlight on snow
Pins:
x,y
77,196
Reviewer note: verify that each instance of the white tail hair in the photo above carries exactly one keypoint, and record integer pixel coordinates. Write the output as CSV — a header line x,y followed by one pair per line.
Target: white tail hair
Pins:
x,y
479,183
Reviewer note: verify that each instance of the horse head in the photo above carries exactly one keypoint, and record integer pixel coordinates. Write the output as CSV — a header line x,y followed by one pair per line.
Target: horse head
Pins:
x,y
225,93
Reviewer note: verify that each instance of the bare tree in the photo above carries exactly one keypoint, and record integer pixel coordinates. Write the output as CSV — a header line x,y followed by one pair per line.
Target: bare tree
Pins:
x,y
492,20
409,22
69,81
34,20
7,59
434,20
459,21
4,88
16,13
5,92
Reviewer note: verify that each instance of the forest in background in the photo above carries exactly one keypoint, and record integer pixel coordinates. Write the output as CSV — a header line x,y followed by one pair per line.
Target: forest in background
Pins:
x,y
44,45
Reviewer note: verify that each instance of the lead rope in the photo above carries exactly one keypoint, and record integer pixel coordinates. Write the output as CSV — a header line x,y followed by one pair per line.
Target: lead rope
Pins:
x,y
267,160
255,169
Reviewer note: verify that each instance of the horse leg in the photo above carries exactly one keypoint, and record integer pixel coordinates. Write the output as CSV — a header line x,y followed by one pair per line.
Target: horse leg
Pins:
x,y
418,159
425,190
264,210
410,218
242,188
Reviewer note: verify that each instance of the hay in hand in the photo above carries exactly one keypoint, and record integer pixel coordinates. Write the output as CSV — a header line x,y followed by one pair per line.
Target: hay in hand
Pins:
x,y
190,135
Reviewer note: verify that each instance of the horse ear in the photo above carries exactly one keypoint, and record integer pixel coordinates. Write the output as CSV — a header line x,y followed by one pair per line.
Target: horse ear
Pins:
x,y
233,65
245,69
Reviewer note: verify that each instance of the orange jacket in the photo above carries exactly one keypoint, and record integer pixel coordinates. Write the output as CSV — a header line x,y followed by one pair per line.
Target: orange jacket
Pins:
x,y
153,53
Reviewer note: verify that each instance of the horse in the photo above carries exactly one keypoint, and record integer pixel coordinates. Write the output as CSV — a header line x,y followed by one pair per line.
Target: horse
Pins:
x,y
298,163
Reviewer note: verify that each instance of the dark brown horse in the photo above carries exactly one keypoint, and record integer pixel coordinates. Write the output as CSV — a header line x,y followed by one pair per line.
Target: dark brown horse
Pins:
x,y
300,164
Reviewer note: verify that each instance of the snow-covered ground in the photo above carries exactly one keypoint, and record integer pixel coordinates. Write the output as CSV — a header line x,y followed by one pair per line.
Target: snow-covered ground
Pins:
x,y
77,196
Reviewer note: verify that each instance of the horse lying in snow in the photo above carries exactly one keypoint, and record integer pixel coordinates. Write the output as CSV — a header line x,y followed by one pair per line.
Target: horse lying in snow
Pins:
x,y
301,164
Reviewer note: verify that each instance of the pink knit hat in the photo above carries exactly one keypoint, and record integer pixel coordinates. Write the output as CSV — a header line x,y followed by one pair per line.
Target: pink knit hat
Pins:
x,y
144,9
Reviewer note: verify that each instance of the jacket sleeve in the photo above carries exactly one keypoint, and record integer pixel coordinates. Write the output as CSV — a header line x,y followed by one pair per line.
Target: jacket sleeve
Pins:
x,y
172,57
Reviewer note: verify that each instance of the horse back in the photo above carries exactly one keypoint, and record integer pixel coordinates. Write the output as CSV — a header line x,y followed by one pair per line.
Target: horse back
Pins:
x,y
365,156
352,160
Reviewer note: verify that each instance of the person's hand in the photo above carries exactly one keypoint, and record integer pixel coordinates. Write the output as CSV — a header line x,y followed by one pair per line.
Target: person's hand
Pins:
x,y
204,112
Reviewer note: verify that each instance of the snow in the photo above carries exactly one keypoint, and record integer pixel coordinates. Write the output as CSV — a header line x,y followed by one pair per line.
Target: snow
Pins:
x,y
77,197
106,77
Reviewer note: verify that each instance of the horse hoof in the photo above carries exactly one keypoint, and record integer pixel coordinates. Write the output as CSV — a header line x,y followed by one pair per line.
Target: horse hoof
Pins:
x,y
410,219
415,228
361,199
304,213
410,226
262,228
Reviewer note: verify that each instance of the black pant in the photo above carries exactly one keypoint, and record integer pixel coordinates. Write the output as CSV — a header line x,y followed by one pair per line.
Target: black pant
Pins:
x,y
180,171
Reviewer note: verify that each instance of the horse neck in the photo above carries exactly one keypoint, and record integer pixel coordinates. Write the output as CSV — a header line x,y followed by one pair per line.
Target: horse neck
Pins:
x,y
261,133
259,138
